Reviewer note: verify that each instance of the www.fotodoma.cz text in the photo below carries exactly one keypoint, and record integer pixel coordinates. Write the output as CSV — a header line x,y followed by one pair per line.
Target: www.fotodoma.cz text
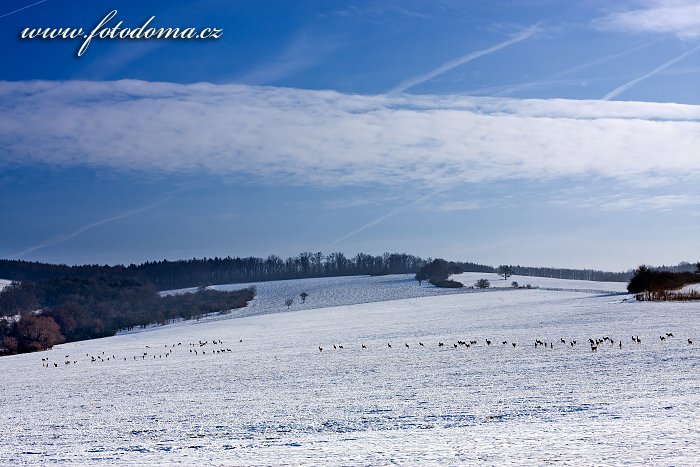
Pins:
x,y
103,30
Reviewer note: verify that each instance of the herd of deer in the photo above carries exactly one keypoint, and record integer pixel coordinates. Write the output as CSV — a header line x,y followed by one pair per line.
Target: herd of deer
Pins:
x,y
195,348
594,343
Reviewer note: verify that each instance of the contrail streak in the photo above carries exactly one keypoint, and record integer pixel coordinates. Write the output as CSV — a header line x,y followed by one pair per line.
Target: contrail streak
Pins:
x,y
568,71
63,238
384,217
416,80
23,8
619,90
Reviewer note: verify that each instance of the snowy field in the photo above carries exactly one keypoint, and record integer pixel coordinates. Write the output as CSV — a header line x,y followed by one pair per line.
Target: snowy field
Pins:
x,y
690,288
269,396
4,283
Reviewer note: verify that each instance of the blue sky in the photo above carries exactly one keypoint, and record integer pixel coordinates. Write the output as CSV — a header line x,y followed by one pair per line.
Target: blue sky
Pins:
x,y
543,132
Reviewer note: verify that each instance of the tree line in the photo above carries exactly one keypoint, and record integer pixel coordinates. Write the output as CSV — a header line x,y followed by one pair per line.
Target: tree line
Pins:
x,y
168,275
571,274
658,284
38,315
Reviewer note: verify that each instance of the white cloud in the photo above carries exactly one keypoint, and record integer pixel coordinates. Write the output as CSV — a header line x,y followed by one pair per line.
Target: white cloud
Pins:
x,y
636,200
350,202
678,17
651,203
379,14
458,206
329,138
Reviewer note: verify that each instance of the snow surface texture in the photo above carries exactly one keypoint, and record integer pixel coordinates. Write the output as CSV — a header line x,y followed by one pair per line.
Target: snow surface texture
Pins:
x,y
274,398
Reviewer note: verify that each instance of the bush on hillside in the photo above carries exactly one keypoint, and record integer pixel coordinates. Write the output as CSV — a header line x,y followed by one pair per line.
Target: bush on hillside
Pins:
x,y
447,284
438,270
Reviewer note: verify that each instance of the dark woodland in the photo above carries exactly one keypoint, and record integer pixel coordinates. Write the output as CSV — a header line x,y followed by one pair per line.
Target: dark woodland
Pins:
x,y
653,284
53,311
169,275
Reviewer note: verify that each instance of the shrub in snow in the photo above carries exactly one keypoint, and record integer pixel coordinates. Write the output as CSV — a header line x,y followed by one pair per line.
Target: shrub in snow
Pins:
x,y
447,284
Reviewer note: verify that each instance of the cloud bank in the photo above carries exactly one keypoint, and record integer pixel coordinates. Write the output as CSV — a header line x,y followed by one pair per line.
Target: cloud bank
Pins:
x,y
678,17
329,138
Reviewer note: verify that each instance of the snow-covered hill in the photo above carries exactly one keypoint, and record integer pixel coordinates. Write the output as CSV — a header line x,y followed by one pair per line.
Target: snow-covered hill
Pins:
x,y
337,291
266,394
4,283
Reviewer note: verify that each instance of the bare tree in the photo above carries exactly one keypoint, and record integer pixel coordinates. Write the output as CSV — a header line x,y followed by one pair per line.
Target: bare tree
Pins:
x,y
482,284
38,332
505,271
288,302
